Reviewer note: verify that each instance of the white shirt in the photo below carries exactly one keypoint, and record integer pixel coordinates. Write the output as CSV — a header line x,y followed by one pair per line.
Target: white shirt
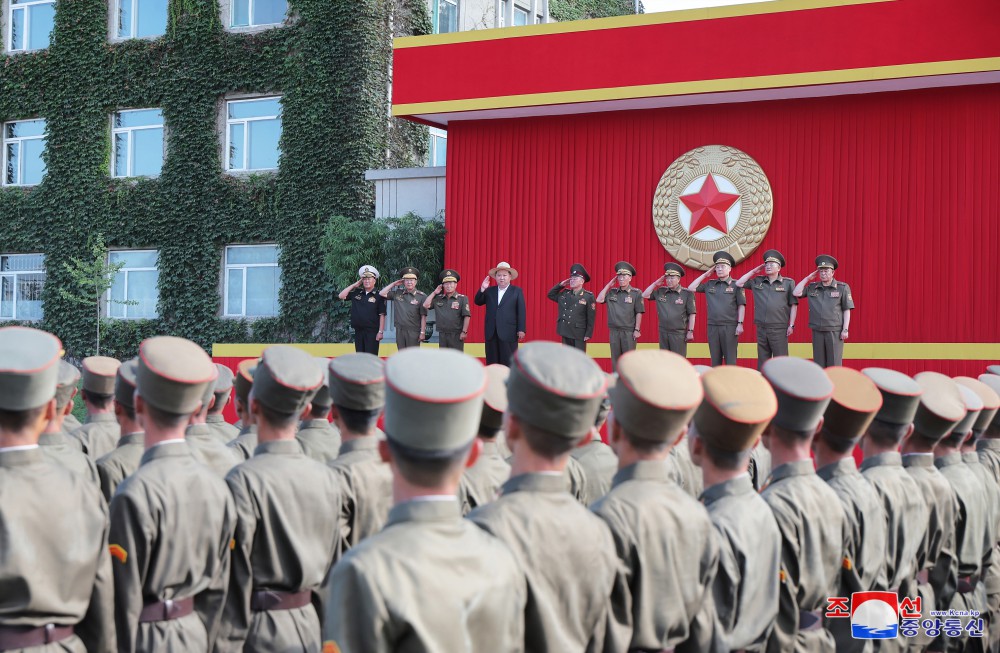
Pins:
x,y
20,447
500,292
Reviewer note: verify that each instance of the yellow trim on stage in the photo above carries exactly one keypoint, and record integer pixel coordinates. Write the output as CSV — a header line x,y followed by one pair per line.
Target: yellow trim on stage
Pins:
x,y
821,77
852,350
640,20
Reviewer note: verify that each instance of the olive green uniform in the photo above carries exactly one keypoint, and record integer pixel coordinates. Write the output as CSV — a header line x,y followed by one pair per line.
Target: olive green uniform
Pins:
x,y
227,432
245,443
682,469
71,423
284,547
826,319
174,521
367,485
666,541
988,451
577,482
386,595
320,440
723,299
481,482
98,435
577,312
623,305
564,551
991,493
450,312
772,312
673,307
57,446
760,466
117,465
600,464
206,449
407,309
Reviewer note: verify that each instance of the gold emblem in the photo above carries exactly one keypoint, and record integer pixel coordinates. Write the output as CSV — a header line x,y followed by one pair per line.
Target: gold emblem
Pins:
x,y
712,198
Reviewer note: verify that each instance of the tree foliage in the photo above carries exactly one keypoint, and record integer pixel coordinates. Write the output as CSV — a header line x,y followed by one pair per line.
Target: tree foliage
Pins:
x,y
564,10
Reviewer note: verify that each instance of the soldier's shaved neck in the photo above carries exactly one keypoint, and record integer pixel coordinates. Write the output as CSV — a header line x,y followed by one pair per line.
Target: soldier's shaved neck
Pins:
x,y
22,428
787,446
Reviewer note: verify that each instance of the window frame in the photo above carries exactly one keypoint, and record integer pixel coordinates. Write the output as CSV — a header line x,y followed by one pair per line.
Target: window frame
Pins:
x,y
513,16
436,134
14,274
242,267
113,23
9,15
436,18
252,25
227,122
4,141
108,304
129,130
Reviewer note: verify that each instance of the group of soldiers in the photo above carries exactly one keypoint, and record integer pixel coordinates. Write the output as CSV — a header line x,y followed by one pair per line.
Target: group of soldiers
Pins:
x,y
775,304
486,514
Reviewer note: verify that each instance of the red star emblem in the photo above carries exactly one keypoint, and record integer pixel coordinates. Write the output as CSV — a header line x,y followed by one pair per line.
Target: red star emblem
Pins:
x,y
708,207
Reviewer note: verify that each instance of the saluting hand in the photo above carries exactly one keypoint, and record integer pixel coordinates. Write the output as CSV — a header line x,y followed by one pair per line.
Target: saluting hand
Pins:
x,y
486,282
564,283
439,289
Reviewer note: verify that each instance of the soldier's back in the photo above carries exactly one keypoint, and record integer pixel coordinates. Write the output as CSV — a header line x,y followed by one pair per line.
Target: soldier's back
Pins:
x,y
209,451
120,463
98,435
320,440
683,470
367,485
600,464
227,432
244,443
59,449
481,482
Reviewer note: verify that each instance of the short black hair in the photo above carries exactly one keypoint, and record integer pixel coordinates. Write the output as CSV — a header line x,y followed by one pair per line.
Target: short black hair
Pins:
x,y
790,436
426,469
165,419
100,401
221,399
954,439
359,421
886,434
836,443
488,433
724,459
545,443
275,418
18,420
128,410
643,446
319,411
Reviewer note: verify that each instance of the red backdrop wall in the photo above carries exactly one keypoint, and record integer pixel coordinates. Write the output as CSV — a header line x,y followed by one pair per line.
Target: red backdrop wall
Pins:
x,y
902,188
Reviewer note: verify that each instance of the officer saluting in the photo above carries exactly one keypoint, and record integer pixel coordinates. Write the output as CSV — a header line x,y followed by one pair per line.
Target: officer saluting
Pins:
x,y
774,306
367,310
726,304
830,306
451,311
675,309
625,309
577,308
409,315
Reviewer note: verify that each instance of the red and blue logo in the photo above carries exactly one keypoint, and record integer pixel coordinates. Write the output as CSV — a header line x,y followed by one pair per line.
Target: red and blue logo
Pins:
x,y
874,615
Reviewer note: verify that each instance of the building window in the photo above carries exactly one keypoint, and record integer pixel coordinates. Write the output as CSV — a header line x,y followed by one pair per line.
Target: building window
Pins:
x,y
438,149
24,143
137,19
502,22
137,138
257,13
30,24
520,16
252,281
253,130
446,18
136,283
22,277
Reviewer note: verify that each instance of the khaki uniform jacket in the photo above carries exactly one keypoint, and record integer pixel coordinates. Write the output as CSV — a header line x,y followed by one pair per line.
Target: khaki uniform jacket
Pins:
x,y
287,521
991,577
450,312
98,435
367,485
206,449
866,537
578,597
760,466
57,446
665,540
938,555
745,589
119,464
430,582
972,529
577,312
577,482
174,521
600,464
227,432
71,423
988,450
813,552
682,469
481,483
245,442
58,569
320,440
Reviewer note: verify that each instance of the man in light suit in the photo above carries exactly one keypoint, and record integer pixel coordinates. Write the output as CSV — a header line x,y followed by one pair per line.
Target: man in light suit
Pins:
x,y
504,314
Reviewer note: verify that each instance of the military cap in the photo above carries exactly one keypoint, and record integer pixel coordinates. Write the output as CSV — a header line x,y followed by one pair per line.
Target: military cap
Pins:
x,y
941,405
66,384
739,403
125,383
673,270
855,401
803,390
434,399
993,381
503,266
172,374
826,261
99,374
243,379
555,388
900,395
973,408
209,394
656,394
989,397
624,267
409,273
286,379
357,381
29,368
368,271
723,257
577,270
449,275
701,369
322,396
993,369
495,398
223,382
774,256
602,412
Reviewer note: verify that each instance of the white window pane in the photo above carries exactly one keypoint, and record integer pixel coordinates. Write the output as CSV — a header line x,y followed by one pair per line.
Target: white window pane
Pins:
x,y
12,173
447,16
234,292
17,29
236,146
269,12
264,136
147,152
117,294
439,151
121,155
32,166
520,16
25,128
152,19
262,291
139,118
7,297
142,289
42,19
265,108
29,296
125,19
240,13
18,262
136,259
252,255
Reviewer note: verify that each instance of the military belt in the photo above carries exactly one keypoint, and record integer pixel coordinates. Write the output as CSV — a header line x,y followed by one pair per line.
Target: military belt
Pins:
x,y
166,610
968,584
15,637
810,620
266,600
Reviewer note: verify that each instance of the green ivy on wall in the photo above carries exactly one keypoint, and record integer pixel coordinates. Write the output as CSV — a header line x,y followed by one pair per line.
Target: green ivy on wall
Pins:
x,y
564,10
331,65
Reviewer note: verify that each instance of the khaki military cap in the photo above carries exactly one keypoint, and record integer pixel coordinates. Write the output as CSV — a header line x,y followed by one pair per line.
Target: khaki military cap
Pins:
x,y
99,374
856,400
993,381
624,267
449,275
29,368
826,261
555,388
495,397
125,383
69,376
357,381
739,403
172,374
409,273
223,382
322,396
989,397
993,369
434,399
286,379
243,379
900,395
941,405
656,394
803,390
973,408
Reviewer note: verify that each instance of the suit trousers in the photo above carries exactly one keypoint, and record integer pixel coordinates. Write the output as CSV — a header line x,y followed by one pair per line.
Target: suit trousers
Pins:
x,y
722,344
499,351
407,338
451,340
828,348
365,342
771,341
675,341
579,343
621,342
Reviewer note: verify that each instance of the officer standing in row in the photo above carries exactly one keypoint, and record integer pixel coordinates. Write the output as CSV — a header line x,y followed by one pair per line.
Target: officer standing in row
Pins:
x,y
223,392
830,306
675,309
481,482
451,311
99,434
246,441
625,309
408,313
319,439
206,446
726,304
122,461
367,310
774,306
54,441
577,308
